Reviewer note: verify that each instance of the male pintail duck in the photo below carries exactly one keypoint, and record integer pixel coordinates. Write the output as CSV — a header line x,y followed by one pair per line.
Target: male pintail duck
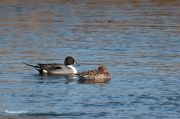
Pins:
x,y
99,75
55,68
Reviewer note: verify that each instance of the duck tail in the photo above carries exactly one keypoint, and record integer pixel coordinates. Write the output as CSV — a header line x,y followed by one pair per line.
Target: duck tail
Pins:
x,y
36,67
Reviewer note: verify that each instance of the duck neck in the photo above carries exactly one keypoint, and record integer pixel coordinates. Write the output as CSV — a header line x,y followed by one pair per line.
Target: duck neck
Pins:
x,y
74,69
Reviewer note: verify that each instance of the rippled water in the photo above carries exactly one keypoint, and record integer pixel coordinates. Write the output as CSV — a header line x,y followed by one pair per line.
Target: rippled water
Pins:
x,y
138,41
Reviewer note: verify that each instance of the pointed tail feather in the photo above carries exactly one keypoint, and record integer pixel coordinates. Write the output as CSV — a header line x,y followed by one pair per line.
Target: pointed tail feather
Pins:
x,y
36,67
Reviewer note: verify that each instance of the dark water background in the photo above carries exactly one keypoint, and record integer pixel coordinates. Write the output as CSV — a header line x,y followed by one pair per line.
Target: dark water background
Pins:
x,y
137,40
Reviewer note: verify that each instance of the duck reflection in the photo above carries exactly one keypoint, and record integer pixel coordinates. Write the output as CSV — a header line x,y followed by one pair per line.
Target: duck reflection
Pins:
x,y
84,81
46,78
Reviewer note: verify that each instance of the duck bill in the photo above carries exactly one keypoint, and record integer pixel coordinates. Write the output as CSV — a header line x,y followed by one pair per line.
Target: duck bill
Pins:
x,y
76,64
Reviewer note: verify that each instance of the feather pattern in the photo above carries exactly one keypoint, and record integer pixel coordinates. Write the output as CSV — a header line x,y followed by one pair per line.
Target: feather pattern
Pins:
x,y
55,68
99,75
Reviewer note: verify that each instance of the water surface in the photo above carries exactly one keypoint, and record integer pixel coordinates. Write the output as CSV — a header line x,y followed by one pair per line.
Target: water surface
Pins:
x,y
138,41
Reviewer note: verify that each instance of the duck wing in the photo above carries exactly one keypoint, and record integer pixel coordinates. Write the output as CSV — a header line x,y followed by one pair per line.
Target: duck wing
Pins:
x,y
50,67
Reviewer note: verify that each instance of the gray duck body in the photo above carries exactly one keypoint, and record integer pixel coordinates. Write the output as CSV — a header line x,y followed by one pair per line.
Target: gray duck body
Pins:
x,y
56,68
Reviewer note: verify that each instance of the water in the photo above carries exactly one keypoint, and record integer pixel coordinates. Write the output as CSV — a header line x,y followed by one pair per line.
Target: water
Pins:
x,y
138,42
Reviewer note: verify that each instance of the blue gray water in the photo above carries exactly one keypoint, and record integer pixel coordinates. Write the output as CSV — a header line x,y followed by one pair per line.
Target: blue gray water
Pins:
x,y
138,41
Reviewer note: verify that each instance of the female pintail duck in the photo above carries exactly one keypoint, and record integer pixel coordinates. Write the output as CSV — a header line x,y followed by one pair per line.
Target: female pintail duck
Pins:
x,y
55,68
99,75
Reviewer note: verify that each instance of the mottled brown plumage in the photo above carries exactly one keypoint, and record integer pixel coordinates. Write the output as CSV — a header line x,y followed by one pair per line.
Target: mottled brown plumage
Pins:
x,y
99,75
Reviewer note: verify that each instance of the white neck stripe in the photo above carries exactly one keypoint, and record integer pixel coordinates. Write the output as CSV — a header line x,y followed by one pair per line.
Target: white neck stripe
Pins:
x,y
74,69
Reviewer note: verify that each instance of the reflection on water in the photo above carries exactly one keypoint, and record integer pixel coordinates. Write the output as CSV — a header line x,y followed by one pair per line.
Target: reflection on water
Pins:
x,y
91,82
137,40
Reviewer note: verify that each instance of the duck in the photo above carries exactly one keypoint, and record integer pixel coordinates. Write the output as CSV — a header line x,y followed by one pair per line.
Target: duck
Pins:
x,y
99,75
55,68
